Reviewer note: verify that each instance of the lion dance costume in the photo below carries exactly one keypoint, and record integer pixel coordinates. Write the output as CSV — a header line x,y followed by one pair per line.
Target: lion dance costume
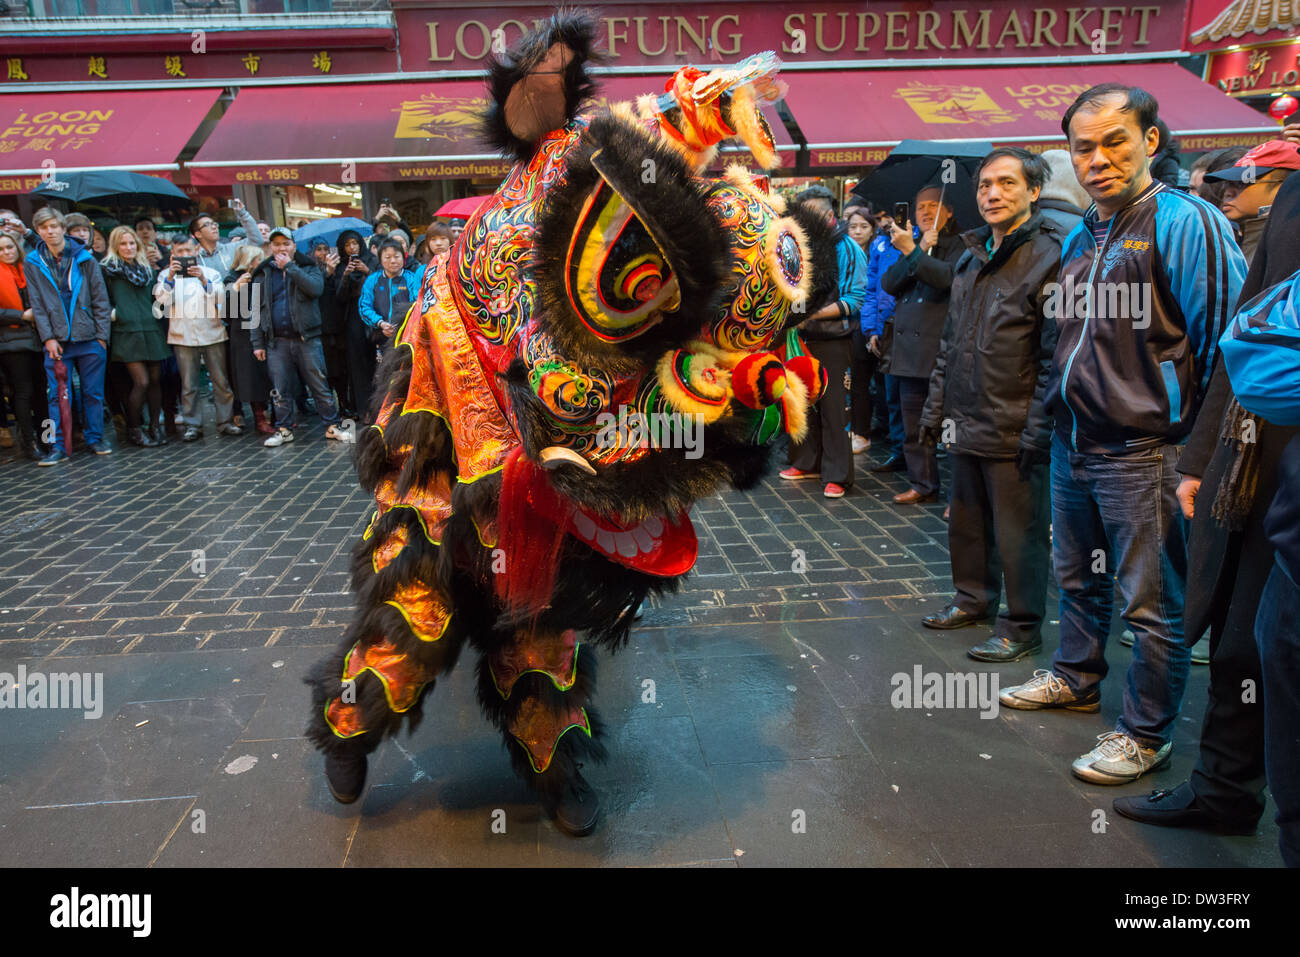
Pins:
x,y
607,276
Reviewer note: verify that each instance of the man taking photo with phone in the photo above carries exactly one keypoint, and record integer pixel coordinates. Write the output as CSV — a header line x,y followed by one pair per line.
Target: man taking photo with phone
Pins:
x,y
288,335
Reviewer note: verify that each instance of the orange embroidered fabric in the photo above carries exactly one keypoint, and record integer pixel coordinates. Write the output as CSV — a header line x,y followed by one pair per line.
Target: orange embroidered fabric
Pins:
x,y
539,729
481,434
553,654
432,501
402,676
423,610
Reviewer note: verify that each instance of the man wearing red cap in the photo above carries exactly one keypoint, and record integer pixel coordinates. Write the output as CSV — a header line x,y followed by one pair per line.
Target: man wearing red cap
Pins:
x,y
1252,184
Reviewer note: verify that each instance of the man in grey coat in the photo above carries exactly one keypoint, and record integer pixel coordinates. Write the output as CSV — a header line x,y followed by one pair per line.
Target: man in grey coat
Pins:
x,y
213,253
70,303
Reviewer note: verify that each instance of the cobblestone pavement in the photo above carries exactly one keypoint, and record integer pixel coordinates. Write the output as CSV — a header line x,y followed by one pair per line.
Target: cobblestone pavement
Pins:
x,y
202,580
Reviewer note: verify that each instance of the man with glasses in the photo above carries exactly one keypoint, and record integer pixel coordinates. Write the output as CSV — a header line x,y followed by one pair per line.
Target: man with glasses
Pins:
x,y
213,253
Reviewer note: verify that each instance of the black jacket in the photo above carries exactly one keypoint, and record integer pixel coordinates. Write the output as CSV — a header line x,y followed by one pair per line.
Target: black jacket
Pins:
x,y
16,334
347,288
920,282
991,371
306,282
1231,567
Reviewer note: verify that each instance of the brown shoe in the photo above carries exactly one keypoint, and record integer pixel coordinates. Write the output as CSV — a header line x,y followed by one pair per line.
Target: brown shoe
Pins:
x,y
913,497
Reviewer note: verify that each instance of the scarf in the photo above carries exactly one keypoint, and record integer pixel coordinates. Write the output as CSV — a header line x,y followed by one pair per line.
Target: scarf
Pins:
x,y
1236,493
11,281
132,272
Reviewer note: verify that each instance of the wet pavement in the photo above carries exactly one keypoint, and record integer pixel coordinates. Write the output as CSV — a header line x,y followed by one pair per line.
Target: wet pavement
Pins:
x,y
750,722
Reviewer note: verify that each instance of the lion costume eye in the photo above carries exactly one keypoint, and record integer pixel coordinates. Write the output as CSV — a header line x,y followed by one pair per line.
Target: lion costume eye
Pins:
x,y
785,249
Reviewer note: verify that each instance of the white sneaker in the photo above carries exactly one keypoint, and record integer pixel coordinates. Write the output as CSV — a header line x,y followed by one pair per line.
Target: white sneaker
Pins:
x,y
1118,759
335,433
281,436
860,444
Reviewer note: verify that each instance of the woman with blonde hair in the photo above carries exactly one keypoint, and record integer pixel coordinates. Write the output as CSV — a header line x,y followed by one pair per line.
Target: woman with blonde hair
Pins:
x,y
137,341
248,377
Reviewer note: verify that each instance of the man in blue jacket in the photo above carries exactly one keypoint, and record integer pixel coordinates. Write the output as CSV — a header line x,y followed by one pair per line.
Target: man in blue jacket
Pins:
x,y
70,304
1148,280
1261,354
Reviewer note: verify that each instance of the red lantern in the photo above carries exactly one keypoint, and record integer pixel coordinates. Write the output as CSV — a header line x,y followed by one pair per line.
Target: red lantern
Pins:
x,y
1282,107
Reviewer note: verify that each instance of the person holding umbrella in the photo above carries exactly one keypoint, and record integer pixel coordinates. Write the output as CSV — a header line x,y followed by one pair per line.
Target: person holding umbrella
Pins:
x,y
70,304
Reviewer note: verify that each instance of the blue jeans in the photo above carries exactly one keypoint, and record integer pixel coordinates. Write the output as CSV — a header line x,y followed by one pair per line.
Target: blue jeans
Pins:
x,y
894,399
1278,638
1117,516
283,356
90,360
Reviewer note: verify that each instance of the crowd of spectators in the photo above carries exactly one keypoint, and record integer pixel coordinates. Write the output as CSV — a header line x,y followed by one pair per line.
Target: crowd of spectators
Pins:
x,y
135,329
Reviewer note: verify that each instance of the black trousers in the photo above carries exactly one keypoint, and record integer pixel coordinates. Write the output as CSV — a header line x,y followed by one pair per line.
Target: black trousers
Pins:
x,y
922,460
361,365
827,448
336,368
862,369
998,531
25,374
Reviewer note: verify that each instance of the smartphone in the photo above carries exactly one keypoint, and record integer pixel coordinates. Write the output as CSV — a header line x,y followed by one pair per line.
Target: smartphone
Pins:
x,y
231,203
186,262
901,214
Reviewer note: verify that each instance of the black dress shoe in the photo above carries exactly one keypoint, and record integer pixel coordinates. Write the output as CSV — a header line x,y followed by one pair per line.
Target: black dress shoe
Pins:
x,y
346,776
576,809
895,463
1178,808
951,617
1004,649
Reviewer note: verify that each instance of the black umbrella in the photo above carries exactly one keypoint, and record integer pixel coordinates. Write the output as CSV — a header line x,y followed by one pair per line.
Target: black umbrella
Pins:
x,y
915,164
113,187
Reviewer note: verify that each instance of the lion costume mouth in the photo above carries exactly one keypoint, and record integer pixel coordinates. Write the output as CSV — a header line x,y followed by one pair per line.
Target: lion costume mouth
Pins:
x,y
656,546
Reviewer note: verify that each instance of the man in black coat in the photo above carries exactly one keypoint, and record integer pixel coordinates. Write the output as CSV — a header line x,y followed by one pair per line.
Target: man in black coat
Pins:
x,y
332,336
919,282
989,380
1229,560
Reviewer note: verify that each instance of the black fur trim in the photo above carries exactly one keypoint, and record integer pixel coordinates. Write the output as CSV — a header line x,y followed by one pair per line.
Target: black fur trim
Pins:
x,y
576,29
822,241
574,746
674,210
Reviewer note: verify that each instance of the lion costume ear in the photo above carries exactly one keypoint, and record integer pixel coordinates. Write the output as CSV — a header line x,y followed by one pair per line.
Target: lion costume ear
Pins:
x,y
629,259
539,84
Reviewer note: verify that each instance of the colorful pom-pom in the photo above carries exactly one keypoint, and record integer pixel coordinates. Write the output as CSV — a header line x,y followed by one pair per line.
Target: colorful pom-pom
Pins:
x,y
758,380
810,373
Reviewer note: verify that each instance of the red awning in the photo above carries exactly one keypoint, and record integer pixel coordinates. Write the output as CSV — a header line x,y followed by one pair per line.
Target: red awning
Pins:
x,y
855,118
365,132
140,130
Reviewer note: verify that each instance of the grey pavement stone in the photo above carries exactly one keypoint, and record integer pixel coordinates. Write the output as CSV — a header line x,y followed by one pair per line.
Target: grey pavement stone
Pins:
x,y
772,693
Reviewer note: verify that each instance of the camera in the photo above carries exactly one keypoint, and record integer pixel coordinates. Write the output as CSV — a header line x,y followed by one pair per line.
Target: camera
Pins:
x,y
186,263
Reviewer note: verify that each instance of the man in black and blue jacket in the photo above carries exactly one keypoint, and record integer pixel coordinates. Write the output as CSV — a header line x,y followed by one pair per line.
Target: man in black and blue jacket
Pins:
x,y
70,303
1147,284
